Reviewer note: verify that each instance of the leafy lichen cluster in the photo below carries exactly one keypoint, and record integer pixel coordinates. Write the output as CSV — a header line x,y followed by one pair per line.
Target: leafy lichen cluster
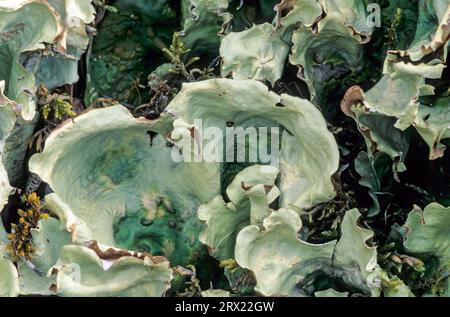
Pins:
x,y
98,103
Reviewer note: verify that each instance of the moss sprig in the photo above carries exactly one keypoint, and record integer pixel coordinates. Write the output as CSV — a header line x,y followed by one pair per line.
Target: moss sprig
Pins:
x,y
20,239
